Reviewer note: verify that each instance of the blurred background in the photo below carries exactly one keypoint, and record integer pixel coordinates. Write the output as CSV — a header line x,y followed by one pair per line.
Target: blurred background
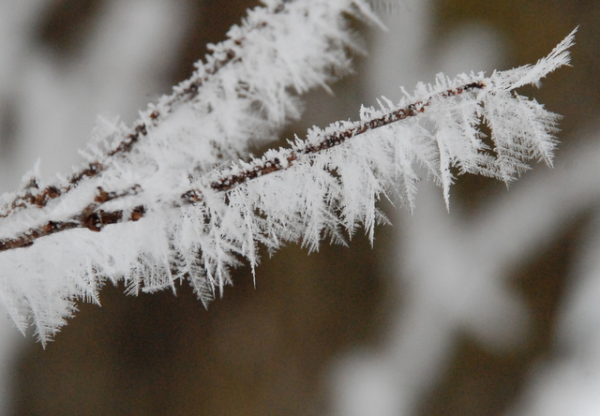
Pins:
x,y
492,308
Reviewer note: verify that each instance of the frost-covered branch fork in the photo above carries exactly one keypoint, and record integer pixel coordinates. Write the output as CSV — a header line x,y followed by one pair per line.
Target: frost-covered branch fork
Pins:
x,y
231,51
242,95
91,218
94,218
167,214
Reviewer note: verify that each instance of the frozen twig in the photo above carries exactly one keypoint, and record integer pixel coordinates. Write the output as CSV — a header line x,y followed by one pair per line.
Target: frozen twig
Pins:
x,y
94,218
243,40
166,212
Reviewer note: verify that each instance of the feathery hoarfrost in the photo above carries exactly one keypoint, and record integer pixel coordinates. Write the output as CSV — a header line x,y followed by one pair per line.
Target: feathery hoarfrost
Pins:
x,y
165,200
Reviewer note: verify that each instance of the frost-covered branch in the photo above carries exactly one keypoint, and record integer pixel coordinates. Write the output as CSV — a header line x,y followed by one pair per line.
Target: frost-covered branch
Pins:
x,y
234,73
163,210
94,218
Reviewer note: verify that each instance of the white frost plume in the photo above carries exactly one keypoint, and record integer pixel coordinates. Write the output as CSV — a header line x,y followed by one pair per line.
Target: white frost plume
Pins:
x,y
162,211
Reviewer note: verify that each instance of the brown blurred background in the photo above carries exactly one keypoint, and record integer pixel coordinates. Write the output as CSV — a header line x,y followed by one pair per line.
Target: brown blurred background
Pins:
x,y
265,350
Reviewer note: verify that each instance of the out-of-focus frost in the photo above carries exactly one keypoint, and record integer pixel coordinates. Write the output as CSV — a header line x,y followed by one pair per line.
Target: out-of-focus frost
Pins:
x,y
568,381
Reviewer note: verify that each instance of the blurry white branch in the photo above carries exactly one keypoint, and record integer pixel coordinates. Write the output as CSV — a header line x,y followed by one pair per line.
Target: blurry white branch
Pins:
x,y
164,206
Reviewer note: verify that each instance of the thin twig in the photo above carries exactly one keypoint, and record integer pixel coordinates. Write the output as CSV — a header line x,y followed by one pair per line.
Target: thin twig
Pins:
x,y
265,166
95,219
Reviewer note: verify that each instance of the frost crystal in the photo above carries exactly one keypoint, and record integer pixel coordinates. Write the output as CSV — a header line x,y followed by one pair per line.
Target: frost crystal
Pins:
x,y
165,200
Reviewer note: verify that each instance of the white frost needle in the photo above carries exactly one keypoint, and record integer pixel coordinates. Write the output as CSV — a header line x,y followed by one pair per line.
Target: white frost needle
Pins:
x,y
162,212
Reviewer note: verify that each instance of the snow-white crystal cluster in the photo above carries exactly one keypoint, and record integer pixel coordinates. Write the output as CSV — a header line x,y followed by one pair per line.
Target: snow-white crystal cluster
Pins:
x,y
188,210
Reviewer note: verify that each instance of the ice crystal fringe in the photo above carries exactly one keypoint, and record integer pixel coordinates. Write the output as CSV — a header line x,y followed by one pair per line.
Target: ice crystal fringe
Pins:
x,y
163,212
